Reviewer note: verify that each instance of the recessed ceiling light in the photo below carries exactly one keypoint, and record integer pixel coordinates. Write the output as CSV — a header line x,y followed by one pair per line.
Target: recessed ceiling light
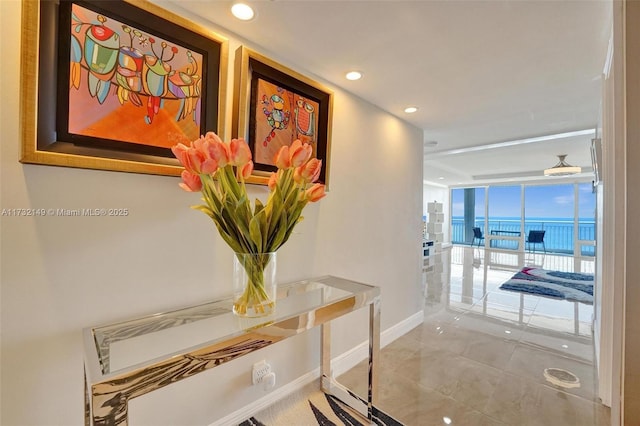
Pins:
x,y
441,177
410,110
242,11
353,75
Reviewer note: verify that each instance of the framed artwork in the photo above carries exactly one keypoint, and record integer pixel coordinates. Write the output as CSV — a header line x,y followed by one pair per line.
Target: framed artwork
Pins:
x,y
274,106
112,85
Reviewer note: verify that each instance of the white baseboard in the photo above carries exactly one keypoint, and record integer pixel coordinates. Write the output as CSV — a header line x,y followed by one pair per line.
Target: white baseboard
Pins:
x,y
246,412
340,364
346,361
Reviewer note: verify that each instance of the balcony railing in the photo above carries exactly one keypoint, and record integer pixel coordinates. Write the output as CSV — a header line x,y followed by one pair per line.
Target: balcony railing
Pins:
x,y
558,236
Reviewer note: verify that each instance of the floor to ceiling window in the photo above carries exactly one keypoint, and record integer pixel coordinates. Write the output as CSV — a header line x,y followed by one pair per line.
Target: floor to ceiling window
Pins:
x,y
551,208
586,208
565,212
467,212
505,214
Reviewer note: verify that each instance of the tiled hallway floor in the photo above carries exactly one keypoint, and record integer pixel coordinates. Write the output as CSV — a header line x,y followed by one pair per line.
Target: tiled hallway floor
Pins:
x,y
480,356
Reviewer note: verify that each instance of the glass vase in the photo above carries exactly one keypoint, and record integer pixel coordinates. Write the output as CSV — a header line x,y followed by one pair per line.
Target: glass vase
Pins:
x,y
254,284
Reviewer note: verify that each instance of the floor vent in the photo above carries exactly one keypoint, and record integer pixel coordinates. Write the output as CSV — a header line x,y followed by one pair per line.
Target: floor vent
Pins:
x,y
562,378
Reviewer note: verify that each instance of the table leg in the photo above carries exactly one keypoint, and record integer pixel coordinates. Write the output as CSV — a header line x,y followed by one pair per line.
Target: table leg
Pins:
x,y
108,409
325,361
374,354
87,406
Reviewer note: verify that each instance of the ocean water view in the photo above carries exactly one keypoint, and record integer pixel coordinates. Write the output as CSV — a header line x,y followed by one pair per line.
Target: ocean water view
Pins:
x,y
558,232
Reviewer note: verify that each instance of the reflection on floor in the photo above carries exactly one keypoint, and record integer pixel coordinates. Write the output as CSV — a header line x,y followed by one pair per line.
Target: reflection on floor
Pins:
x,y
484,356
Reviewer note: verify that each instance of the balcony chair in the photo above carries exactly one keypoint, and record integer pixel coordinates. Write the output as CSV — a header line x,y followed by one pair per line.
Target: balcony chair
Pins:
x,y
536,237
477,235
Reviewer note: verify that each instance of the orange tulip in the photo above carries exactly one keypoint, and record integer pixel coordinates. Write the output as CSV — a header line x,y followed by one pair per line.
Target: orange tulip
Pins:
x,y
199,144
199,163
300,153
190,182
180,152
240,154
282,159
217,150
193,160
211,136
273,180
246,170
309,172
315,193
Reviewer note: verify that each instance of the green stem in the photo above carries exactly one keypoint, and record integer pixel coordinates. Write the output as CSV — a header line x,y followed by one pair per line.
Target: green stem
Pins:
x,y
255,294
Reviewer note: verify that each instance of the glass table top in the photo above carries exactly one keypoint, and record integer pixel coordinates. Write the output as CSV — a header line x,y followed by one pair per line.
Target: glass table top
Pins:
x,y
124,346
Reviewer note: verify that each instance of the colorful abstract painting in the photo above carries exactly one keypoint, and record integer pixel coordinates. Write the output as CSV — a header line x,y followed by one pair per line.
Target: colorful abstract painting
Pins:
x,y
131,86
282,116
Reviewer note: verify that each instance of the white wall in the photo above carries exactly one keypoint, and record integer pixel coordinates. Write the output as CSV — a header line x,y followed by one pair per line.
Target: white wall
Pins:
x,y
61,274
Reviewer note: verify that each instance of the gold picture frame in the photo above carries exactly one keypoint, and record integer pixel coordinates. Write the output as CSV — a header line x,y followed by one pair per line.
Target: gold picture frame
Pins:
x,y
46,68
272,106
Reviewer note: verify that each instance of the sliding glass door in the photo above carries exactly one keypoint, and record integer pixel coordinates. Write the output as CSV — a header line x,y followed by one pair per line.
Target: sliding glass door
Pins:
x,y
586,215
565,213
504,217
551,208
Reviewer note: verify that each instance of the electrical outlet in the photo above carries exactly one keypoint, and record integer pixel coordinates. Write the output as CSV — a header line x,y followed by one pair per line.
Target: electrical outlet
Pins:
x,y
269,381
259,371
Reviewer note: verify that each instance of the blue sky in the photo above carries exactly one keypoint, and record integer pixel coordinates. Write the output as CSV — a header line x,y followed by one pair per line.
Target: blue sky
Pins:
x,y
547,201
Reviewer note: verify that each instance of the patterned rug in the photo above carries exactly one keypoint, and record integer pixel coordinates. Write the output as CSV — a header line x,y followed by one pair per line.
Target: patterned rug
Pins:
x,y
560,285
315,409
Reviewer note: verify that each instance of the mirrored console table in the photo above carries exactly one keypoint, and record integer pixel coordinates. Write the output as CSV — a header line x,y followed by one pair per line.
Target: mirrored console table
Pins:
x,y
128,359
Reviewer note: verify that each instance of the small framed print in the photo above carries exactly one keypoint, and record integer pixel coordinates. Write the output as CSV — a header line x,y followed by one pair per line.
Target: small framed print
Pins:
x,y
274,106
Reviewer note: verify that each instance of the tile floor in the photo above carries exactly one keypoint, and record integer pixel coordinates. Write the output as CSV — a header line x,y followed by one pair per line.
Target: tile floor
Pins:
x,y
479,357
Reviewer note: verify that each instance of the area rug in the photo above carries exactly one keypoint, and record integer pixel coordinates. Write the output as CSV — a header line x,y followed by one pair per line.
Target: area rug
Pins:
x,y
314,409
560,285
